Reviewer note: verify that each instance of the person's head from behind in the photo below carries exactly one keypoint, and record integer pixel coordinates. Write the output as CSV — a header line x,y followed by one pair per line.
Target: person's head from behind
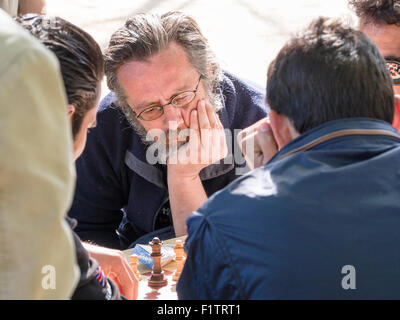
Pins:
x,y
328,72
380,20
159,67
81,65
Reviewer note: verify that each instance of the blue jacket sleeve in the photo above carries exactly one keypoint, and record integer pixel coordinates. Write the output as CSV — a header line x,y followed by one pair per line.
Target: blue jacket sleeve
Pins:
x,y
207,273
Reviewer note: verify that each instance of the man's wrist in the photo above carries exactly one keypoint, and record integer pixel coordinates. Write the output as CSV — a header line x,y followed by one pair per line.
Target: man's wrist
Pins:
x,y
176,173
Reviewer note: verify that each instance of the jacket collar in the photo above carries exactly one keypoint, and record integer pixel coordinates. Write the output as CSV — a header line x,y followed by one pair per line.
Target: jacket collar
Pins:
x,y
336,128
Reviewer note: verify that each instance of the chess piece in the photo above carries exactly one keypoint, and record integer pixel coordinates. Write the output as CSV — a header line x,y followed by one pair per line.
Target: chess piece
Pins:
x,y
133,261
157,279
179,258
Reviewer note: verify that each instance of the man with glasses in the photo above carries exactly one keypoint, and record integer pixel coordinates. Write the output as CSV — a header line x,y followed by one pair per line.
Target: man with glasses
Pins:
x,y
170,102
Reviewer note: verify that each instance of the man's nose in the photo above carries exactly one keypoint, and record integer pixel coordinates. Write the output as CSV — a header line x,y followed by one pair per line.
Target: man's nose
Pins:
x,y
174,115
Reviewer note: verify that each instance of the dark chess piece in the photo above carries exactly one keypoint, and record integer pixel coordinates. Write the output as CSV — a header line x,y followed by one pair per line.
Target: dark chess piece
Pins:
x,y
157,279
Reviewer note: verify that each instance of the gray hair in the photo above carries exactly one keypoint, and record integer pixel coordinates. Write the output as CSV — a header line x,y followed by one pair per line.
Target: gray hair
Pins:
x,y
147,34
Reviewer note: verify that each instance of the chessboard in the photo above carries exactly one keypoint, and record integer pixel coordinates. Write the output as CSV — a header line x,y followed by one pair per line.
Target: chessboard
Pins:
x,y
164,285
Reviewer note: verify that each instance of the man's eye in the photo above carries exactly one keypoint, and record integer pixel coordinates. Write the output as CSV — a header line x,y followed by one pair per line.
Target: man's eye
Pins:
x,y
182,99
152,111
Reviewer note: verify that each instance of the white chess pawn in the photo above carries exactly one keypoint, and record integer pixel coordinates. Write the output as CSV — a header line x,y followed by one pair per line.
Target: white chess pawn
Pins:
x,y
133,261
179,258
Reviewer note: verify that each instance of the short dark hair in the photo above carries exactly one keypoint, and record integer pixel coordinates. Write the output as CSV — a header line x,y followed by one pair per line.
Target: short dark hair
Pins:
x,y
377,11
329,72
80,59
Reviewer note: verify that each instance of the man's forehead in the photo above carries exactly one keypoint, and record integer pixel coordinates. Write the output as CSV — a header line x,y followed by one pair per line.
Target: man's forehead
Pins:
x,y
162,75
133,69
147,90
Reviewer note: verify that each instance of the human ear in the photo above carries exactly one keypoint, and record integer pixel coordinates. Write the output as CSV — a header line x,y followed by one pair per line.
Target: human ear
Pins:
x,y
71,110
282,128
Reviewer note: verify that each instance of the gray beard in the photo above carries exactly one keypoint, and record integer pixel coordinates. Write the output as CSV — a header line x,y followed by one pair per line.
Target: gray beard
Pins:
x,y
162,150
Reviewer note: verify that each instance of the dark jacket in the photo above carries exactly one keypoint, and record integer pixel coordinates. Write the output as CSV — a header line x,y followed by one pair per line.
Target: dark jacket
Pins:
x,y
320,221
117,189
93,283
